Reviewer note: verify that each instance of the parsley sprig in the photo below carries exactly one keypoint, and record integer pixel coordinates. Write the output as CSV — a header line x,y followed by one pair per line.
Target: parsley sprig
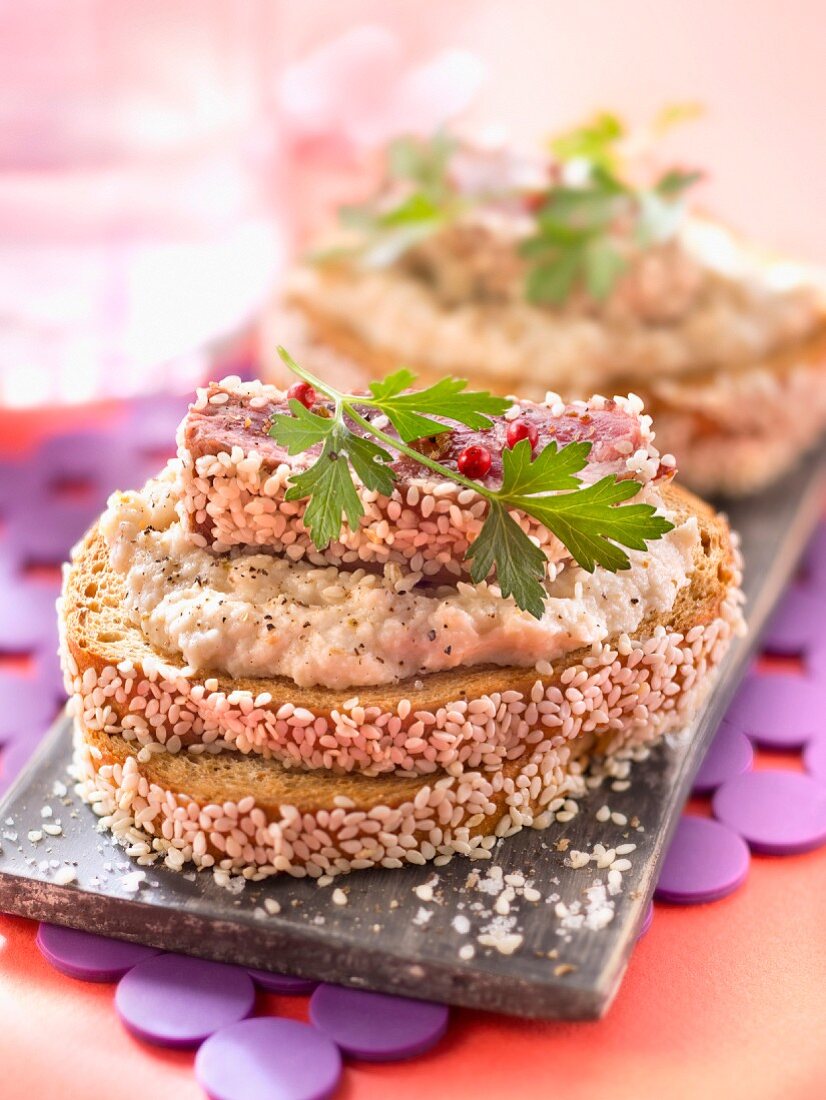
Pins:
x,y
586,519
583,226
423,200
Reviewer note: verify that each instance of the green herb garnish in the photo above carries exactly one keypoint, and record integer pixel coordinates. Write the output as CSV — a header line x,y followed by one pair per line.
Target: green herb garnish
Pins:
x,y
585,519
581,227
424,200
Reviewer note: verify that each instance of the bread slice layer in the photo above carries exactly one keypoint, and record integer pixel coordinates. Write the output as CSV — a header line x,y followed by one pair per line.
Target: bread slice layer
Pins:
x,y
617,692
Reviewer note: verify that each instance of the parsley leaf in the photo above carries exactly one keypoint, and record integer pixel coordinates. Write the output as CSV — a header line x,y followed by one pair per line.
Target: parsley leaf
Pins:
x,y
588,522
519,563
370,462
594,142
301,431
329,485
583,228
421,195
410,413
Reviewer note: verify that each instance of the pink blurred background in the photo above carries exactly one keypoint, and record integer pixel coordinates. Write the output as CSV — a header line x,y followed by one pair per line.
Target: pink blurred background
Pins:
x,y
160,162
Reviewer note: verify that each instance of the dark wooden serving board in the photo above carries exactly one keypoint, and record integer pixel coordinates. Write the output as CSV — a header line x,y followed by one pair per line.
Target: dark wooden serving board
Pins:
x,y
381,938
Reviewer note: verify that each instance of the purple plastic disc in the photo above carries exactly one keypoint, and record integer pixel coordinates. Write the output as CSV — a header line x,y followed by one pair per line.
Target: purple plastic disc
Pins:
x,y
27,613
178,1001
814,759
776,812
88,957
268,1058
24,709
797,622
281,983
13,758
646,920
729,754
779,710
706,861
375,1026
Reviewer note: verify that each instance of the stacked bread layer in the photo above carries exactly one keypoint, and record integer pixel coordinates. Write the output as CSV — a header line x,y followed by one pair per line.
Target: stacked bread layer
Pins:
x,y
733,430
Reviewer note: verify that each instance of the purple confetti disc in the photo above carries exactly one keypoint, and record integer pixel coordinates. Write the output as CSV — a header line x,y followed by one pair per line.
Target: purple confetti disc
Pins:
x,y
88,957
646,920
177,1001
777,812
730,754
706,861
814,759
797,623
268,1057
779,710
375,1026
281,983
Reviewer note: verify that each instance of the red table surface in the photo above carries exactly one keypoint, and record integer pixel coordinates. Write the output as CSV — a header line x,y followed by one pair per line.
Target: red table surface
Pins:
x,y
724,1000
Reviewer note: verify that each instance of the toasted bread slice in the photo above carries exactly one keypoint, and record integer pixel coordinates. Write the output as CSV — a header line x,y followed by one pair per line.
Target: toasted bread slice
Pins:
x,y
618,692
733,431
250,815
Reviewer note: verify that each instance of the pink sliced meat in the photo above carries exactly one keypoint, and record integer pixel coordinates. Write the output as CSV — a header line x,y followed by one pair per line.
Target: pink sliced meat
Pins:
x,y
234,477
613,433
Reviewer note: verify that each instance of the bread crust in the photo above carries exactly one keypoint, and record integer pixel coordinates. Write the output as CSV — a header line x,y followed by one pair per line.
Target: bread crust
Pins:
x,y
481,717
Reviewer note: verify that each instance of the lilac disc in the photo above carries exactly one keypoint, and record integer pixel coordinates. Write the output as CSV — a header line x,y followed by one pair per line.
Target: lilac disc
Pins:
x,y
779,710
646,920
706,861
13,758
281,983
268,1057
729,754
25,710
27,614
88,957
375,1026
178,1001
814,759
776,812
797,622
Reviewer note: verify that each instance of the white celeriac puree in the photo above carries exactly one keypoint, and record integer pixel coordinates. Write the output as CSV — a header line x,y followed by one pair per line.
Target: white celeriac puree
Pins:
x,y
256,615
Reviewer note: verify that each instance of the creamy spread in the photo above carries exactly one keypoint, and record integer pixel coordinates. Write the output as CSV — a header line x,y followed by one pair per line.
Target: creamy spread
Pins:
x,y
700,300
258,615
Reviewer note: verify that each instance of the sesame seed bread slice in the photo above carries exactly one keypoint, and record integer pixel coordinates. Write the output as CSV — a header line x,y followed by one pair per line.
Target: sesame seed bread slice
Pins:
x,y
463,718
250,815
733,431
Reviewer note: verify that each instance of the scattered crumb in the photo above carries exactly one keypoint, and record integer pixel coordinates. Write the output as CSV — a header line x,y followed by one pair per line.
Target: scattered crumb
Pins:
x,y
65,875
130,883
339,897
